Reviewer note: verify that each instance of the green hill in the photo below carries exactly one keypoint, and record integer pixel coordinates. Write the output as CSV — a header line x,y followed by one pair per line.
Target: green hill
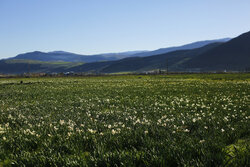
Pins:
x,y
16,66
232,55
173,59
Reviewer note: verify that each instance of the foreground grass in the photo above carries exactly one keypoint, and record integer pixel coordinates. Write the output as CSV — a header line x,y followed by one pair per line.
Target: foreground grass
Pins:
x,y
176,120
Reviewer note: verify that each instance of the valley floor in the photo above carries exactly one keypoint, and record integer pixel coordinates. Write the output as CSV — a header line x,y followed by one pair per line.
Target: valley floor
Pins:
x,y
148,120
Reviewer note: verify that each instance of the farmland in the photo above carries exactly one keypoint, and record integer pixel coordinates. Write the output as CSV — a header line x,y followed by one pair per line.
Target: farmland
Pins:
x,y
149,120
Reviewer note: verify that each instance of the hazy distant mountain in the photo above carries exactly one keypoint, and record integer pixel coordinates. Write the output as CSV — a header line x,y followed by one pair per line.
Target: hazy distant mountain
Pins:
x,y
61,52
118,55
122,55
163,50
184,47
72,57
61,56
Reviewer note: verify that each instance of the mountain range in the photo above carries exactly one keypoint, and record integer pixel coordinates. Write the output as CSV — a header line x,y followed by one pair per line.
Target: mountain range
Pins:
x,y
62,56
211,55
171,60
183,47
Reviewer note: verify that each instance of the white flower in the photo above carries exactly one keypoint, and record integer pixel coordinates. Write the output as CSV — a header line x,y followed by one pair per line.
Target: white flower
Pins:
x,y
222,130
194,120
92,131
71,127
10,116
113,131
7,125
1,130
62,122
202,141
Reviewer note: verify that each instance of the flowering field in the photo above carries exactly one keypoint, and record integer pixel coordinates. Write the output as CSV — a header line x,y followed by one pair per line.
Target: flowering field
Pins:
x,y
161,120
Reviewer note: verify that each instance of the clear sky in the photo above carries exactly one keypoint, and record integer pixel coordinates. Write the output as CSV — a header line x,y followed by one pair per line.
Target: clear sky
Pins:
x,y
98,26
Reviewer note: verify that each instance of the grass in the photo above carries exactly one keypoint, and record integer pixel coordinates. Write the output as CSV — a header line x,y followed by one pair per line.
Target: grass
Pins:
x,y
158,120
47,64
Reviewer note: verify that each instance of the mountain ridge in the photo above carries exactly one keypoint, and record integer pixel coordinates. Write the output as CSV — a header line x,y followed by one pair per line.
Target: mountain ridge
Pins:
x,y
144,63
192,45
73,57
234,54
198,59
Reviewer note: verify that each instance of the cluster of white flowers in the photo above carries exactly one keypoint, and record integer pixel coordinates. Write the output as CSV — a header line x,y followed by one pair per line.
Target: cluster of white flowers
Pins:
x,y
2,129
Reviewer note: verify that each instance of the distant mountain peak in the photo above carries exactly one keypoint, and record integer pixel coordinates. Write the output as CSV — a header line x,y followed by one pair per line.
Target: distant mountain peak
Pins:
x,y
60,52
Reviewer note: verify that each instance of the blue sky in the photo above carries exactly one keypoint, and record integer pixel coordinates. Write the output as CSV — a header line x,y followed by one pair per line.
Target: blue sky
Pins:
x,y
98,26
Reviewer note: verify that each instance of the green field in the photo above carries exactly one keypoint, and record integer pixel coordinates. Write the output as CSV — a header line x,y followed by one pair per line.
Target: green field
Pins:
x,y
158,120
